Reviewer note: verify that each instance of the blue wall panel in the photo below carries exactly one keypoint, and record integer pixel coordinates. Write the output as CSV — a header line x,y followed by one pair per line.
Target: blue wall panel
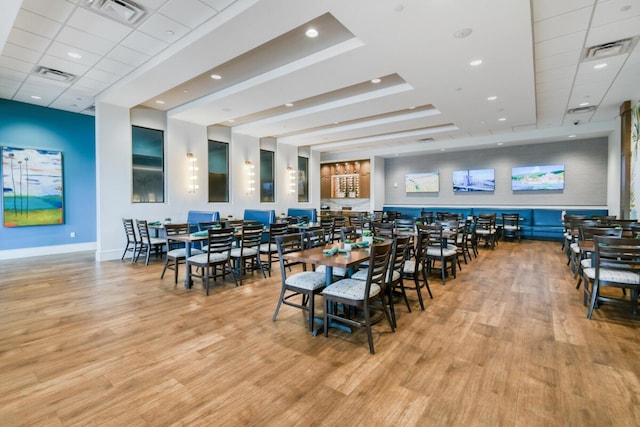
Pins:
x,y
29,126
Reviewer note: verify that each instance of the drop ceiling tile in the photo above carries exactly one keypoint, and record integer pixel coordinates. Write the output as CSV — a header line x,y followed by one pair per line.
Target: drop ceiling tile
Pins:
x,y
102,76
85,41
81,91
562,73
190,13
8,74
63,65
24,95
37,24
26,39
15,64
556,61
218,5
7,92
128,56
44,87
98,25
151,5
563,44
22,53
587,74
163,28
554,86
144,43
57,10
612,11
544,9
114,67
615,31
87,84
10,84
562,25
62,50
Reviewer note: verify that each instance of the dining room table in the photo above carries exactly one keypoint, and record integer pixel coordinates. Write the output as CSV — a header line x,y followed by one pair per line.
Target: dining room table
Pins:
x,y
346,259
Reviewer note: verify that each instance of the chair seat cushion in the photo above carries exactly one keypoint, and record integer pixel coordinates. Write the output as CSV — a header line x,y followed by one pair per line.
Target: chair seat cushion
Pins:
x,y
485,232
157,241
351,289
362,275
306,280
586,263
182,253
410,266
236,252
265,248
213,258
435,252
337,271
511,227
609,275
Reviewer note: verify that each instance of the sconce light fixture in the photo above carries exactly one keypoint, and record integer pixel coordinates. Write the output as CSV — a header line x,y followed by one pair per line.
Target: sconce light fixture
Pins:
x,y
292,180
193,172
251,177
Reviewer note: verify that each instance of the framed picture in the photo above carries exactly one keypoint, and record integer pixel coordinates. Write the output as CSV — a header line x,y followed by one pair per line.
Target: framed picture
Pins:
x,y
422,182
32,187
534,178
474,180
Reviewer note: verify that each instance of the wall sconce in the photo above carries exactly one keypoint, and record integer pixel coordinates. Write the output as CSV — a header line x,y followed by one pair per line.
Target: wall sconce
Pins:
x,y
251,177
292,180
193,173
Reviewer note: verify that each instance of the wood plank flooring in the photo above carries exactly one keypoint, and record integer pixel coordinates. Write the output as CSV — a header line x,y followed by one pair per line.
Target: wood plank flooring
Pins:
x,y
506,343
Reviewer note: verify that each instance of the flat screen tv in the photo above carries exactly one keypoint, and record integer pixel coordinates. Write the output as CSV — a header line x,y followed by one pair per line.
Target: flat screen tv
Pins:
x,y
547,177
474,180
423,182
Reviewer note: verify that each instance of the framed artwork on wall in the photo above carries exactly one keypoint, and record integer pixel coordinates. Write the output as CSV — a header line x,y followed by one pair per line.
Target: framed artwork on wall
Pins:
x,y
32,187
422,182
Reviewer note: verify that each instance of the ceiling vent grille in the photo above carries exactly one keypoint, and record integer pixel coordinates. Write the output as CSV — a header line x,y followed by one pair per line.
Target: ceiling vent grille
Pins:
x,y
124,11
579,110
53,74
429,139
605,50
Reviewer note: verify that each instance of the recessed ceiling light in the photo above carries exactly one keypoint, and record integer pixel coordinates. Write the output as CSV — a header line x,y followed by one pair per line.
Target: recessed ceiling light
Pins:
x,y
492,98
500,143
442,149
311,33
502,119
36,97
288,104
160,101
462,33
475,62
216,76
600,66
412,108
170,32
230,120
185,91
74,55
375,81
584,104
572,136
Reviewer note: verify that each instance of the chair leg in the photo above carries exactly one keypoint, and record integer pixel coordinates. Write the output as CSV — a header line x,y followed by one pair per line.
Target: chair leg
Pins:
x,y
594,297
312,304
275,313
367,324
426,285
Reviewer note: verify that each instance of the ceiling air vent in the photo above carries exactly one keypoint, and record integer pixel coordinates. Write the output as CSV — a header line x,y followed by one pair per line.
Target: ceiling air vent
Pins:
x,y
426,140
609,49
579,110
54,74
121,10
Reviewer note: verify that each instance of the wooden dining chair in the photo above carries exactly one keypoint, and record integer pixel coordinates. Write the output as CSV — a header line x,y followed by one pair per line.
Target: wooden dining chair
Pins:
x,y
246,257
148,244
216,261
305,284
176,252
133,243
365,295
270,248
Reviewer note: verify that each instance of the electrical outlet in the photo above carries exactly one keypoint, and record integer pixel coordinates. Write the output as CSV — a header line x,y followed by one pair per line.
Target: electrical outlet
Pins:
x,y
72,234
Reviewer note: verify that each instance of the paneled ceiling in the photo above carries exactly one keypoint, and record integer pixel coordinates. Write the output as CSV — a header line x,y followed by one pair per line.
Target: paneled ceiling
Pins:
x,y
383,77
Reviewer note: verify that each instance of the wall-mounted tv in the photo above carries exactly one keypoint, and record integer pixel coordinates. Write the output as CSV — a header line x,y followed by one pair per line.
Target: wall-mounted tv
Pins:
x,y
474,180
423,182
547,177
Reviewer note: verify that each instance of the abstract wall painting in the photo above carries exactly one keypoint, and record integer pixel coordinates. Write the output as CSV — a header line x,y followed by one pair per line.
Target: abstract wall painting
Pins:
x,y
32,187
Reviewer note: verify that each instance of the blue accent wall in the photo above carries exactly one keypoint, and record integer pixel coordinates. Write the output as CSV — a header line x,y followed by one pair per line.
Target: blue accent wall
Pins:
x,y
29,126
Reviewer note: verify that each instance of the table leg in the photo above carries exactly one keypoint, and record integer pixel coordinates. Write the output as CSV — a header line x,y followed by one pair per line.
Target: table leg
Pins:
x,y
332,324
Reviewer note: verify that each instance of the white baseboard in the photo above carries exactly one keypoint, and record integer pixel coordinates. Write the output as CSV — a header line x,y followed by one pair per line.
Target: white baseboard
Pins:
x,y
47,250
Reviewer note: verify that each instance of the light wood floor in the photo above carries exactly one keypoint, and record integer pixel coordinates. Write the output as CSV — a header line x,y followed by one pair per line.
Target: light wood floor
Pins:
x,y
507,343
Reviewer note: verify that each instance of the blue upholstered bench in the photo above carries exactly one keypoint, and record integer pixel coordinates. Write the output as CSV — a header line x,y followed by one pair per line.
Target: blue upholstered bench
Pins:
x,y
311,214
196,217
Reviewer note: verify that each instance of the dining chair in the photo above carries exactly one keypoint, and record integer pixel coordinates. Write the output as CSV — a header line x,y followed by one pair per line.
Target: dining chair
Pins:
x,y
216,261
394,284
315,238
617,264
176,252
485,228
357,222
383,229
349,233
365,295
148,244
306,284
270,249
415,268
584,257
246,257
133,243
511,226
336,228
439,251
